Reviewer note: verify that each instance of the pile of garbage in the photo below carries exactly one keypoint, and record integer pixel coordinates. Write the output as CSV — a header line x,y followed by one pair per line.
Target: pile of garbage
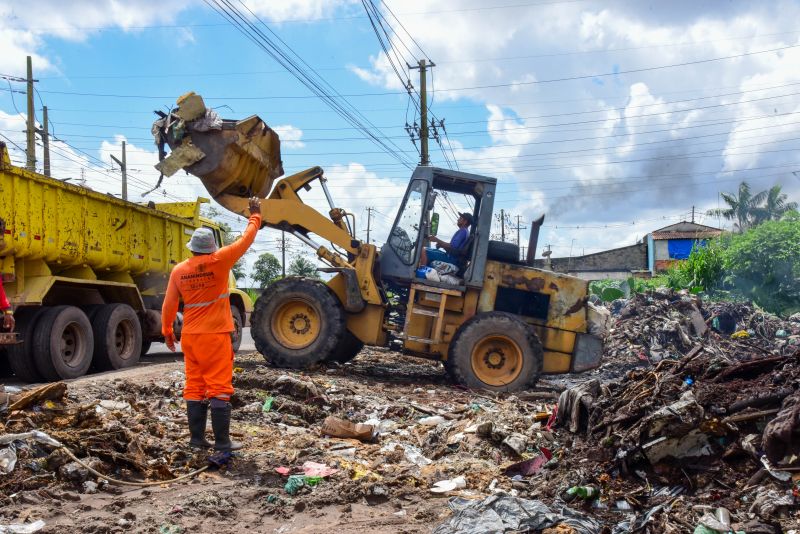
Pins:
x,y
128,437
712,415
667,324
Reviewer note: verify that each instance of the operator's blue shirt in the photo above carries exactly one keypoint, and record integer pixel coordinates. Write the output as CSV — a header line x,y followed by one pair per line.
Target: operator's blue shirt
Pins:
x,y
459,239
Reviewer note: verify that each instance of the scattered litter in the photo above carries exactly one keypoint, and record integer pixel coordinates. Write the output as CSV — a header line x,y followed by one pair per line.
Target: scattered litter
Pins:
x,y
340,428
444,486
27,528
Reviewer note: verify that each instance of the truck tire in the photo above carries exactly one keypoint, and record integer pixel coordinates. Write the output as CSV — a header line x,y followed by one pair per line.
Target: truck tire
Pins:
x,y
347,349
495,351
145,348
297,322
20,356
63,343
238,325
117,337
503,251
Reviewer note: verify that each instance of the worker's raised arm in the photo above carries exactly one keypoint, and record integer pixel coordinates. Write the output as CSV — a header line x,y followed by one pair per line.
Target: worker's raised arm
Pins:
x,y
231,253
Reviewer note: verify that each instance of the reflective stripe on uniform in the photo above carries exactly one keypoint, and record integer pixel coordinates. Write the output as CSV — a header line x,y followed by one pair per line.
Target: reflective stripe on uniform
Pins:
x,y
209,303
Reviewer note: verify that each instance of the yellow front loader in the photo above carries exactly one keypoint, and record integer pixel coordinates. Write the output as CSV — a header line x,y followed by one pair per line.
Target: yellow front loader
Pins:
x,y
498,324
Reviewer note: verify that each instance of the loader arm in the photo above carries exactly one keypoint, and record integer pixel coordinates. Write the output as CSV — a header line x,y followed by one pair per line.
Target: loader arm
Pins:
x,y
236,160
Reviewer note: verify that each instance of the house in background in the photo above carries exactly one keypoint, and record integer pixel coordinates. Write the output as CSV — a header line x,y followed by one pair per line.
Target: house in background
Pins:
x,y
671,244
617,264
656,252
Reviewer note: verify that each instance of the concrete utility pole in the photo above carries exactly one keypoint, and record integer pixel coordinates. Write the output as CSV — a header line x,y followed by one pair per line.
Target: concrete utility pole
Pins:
x,y
124,166
692,213
46,141
283,253
519,227
30,131
369,219
423,65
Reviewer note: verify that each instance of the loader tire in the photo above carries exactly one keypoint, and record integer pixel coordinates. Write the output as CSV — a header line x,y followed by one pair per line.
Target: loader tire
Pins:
x,y
5,367
63,343
347,349
20,356
117,337
297,322
503,251
495,351
238,325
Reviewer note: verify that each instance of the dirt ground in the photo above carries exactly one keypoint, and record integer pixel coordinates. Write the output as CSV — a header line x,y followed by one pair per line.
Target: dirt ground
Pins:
x,y
241,494
724,390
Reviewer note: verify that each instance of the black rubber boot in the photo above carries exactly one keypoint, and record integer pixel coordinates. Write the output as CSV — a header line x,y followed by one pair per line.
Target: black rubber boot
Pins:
x,y
221,423
197,413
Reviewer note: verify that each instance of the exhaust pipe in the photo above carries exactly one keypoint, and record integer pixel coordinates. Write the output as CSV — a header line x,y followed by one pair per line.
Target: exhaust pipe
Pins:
x,y
533,240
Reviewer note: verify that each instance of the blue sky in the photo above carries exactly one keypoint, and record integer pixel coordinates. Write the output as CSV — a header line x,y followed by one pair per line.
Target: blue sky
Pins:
x,y
614,118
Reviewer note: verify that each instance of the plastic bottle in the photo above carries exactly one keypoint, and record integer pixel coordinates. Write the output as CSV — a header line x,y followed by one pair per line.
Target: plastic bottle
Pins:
x,y
584,492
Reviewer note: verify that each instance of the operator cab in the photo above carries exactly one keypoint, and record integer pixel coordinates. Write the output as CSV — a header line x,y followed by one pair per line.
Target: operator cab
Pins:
x,y
431,205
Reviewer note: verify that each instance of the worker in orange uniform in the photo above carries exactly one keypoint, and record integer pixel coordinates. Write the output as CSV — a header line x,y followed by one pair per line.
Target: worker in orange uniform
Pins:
x,y
202,283
5,307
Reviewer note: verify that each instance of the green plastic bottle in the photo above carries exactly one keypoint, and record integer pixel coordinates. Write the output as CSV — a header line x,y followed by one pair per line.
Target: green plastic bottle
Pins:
x,y
584,492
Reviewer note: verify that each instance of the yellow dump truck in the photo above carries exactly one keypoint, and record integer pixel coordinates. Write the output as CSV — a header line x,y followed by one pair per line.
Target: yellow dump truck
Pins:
x,y
86,273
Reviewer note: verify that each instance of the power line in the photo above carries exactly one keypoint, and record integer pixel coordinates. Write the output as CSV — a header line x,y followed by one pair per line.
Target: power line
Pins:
x,y
471,88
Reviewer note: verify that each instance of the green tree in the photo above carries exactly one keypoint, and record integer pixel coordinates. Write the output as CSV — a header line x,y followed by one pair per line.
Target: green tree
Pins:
x,y
302,267
266,269
742,207
763,264
775,205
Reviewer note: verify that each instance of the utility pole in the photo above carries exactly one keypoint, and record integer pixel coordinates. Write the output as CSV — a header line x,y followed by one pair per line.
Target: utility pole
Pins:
x,y
30,131
423,66
123,165
519,227
692,213
46,141
502,225
369,218
283,253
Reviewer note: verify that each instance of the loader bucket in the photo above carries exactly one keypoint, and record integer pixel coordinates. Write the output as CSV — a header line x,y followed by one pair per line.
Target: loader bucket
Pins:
x,y
234,159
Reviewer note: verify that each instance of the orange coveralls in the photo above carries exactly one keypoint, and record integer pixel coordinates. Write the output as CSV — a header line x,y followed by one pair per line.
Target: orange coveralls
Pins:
x,y
202,282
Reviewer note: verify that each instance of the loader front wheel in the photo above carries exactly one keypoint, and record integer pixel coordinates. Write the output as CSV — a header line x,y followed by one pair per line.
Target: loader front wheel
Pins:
x,y
495,351
297,322
348,348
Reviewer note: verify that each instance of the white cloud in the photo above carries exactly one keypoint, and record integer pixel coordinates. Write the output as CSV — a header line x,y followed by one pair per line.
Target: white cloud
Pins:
x,y
296,9
290,136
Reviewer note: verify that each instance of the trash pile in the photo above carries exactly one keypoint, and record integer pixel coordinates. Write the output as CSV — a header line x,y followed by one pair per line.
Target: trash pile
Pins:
x,y
667,324
701,435
54,446
714,421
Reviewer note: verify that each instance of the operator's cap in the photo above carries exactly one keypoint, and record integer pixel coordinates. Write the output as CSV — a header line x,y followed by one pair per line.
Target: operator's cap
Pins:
x,y
468,217
202,241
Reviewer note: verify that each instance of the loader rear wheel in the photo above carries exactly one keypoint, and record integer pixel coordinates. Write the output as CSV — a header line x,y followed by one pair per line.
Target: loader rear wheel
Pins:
x,y
238,325
495,351
347,349
20,356
117,337
297,322
63,343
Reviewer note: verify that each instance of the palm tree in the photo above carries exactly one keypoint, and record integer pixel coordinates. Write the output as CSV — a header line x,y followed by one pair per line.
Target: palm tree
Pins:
x,y
775,206
742,208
